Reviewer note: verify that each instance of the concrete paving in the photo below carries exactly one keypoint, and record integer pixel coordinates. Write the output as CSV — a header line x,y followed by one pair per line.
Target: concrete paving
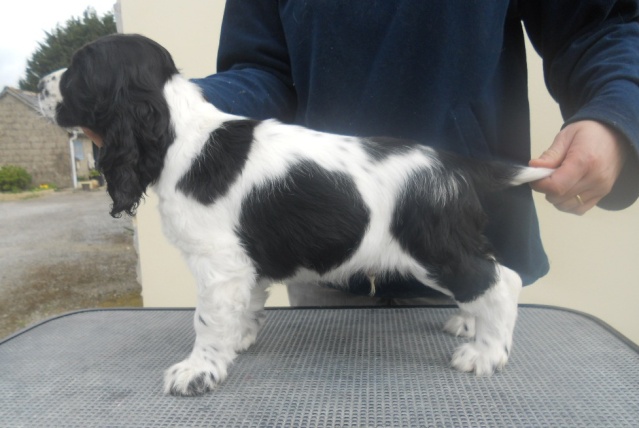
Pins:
x,y
60,252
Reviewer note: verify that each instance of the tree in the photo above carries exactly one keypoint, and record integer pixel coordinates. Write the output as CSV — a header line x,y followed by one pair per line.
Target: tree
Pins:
x,y
60,44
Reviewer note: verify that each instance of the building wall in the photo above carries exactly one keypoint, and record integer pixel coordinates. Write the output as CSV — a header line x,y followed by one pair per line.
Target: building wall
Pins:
x,y
593,258
30,141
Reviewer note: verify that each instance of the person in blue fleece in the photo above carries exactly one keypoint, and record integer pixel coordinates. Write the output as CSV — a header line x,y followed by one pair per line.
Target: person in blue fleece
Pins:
x,y
450,74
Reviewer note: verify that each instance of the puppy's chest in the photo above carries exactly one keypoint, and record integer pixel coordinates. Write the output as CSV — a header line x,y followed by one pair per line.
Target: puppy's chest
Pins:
x,y
190,225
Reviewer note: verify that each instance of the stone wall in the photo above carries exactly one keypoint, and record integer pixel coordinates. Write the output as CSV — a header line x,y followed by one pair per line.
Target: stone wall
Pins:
x,y
32,142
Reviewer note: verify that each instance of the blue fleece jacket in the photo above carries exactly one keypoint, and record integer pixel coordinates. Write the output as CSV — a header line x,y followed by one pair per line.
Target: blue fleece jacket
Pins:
x,y
449,73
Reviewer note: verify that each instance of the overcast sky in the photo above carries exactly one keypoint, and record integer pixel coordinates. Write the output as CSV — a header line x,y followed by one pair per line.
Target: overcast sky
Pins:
x,y
23,25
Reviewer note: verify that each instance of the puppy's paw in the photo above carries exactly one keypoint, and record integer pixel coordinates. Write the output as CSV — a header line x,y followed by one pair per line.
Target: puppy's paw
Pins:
x,y
248,338
481,358
251,328
461,324
190,377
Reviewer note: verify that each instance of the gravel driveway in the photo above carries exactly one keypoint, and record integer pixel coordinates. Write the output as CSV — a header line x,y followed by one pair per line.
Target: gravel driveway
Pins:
x,y
61,252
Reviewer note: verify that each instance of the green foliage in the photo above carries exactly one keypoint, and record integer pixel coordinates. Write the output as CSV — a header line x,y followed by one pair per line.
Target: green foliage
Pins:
x,y
60,44
14,179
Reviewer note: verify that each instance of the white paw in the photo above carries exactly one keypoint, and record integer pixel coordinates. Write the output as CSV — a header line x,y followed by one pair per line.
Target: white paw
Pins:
x,y
247,340
461,324
193,377
481,358
251,329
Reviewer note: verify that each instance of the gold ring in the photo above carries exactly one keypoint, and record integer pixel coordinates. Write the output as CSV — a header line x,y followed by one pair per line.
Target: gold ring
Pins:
x,y
581,202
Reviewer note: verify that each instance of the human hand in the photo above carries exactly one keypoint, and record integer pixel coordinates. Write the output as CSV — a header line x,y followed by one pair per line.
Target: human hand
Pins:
x,y
588,157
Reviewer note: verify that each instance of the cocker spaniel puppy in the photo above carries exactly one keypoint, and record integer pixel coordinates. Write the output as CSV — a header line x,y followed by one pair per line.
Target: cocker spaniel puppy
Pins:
x,y
250,202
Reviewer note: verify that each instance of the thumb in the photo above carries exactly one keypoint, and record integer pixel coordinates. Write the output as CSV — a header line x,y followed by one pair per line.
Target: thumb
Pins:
x,y
555,154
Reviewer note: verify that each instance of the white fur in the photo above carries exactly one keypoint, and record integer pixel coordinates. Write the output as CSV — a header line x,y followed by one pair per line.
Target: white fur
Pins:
x,y
49,93
531,174
228,294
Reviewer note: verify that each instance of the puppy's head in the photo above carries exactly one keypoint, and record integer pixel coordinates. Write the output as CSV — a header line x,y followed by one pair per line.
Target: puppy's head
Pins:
x,y
114,88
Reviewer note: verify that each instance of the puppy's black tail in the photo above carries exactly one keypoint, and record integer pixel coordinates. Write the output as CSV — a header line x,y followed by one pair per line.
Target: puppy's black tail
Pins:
x,y
495,176
491,175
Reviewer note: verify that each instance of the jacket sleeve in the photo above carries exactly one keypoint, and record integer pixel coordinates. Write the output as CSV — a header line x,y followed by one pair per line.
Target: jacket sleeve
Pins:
x,y
590,50
253,72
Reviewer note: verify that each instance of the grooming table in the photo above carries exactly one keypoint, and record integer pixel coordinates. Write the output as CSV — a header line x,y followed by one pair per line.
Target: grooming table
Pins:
x,y
364,367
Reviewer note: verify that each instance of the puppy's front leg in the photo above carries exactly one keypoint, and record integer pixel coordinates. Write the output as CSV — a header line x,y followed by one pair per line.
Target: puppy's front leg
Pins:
x,y
219,326
254,317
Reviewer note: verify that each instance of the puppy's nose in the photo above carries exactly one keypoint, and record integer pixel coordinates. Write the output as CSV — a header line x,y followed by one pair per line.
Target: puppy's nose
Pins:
x,y
40,86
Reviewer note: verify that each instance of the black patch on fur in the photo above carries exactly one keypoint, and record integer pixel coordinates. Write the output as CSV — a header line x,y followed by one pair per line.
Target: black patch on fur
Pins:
x,y
312,218
485,175
380,148
220,161
446,234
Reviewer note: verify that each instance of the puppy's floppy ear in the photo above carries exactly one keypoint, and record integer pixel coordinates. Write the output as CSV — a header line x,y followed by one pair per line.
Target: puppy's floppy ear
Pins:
x,y
115,87
135,143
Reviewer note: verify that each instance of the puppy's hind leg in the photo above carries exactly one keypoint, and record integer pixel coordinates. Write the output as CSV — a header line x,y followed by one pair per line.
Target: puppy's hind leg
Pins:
x,y
495,314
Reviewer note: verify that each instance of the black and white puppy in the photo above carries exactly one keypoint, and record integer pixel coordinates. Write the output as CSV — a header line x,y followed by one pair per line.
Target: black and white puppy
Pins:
x,y
251,202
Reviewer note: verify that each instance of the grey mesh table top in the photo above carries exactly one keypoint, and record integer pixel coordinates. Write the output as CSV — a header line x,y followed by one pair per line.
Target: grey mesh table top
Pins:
x,y
372,367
